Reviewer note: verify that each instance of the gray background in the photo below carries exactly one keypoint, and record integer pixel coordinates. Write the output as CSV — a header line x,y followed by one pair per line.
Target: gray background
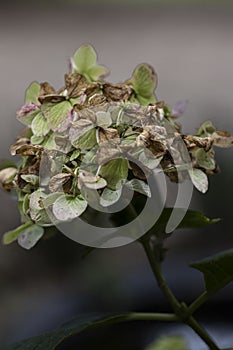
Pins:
x,y
190,44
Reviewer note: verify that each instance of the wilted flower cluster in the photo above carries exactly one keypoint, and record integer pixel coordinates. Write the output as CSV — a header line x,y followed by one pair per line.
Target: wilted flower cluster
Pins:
x,y
91,138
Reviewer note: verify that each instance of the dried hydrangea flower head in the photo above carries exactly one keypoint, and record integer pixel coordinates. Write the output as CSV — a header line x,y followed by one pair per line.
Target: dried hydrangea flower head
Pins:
x,y
99,133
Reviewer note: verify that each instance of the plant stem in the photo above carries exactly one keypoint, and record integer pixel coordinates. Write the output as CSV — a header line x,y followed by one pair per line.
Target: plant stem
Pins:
x,y
181,310
198,302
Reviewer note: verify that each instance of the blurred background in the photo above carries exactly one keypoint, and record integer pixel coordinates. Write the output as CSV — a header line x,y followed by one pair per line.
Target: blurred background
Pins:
x,y
191,47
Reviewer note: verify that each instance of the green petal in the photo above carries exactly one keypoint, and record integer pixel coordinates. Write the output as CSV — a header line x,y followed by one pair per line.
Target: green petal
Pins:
x,y
199,179
32,93
85,58
97,72
114,171
30,236
40,125
56,113
67,207
12,236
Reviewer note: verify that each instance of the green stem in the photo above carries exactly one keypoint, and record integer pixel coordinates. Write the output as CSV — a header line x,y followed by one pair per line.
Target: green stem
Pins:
x,y
181,310
198,302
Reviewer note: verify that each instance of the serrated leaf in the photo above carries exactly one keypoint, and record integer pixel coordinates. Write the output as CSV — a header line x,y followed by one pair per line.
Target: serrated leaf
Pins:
x,y
144,82
56,113
40,125
199,179
192,219
52,340
217,270
30,236
169,343
12,235
32,93
139,186
68,207
114,171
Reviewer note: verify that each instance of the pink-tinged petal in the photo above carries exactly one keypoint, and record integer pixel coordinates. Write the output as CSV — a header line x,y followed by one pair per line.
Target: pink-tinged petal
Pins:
x,y
180,107
26,109
82,99
67,122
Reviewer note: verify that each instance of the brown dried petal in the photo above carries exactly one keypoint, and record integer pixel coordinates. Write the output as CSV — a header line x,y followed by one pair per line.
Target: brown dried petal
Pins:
x,y
222,139
117,92
202,142
46,89
107,134
24,148
6,177
57,182
76,84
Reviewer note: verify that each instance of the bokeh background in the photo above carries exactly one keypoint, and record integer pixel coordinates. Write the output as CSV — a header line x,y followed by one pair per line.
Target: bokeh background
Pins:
x,y
190,44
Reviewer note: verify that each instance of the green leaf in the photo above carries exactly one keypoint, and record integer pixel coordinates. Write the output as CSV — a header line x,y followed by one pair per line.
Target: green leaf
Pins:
x,y
68,207
75,155
12,236
32,93
114,171
50,341
144,82
199,179
192,219
30,236
169,343
56,113
217,270
40,125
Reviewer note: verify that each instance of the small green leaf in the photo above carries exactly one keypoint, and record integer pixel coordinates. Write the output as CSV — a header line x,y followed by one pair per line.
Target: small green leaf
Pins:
x,y
144,82
12,236
75,155
56,113
40,125
199,179
68,207
30,236
217,270
169,343
114,171
32,93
